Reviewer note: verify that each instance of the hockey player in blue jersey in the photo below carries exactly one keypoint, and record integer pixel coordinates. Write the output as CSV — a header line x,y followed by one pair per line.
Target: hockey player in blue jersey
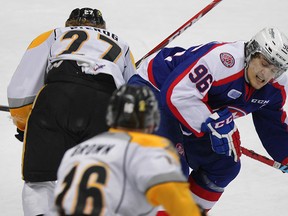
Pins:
x,y
203,88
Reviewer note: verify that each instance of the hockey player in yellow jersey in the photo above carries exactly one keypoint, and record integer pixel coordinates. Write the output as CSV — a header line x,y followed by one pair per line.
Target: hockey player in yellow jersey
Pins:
x,y
126,171
68,74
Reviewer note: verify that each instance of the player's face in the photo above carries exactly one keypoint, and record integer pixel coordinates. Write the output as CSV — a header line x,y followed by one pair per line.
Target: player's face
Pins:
x,y
260,71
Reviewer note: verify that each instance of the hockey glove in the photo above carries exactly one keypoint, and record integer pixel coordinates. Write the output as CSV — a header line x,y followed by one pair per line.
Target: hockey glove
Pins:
x,y
203,212
20,135
224,135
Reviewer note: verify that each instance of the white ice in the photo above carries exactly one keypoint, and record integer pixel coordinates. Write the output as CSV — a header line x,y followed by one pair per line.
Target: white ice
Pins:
x,y
259,190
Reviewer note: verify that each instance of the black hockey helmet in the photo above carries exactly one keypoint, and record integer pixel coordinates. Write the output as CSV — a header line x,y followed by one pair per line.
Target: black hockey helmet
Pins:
x,y
86,15
133,107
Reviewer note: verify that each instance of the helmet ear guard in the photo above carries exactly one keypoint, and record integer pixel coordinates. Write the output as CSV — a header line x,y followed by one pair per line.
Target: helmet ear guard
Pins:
x,y
273,45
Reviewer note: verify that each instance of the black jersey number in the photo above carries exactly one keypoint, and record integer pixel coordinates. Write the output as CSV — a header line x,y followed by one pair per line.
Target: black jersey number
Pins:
x,y
79,37
90,199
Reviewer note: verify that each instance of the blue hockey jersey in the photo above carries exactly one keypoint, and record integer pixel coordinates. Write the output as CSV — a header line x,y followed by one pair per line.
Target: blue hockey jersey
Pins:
x,y
196,82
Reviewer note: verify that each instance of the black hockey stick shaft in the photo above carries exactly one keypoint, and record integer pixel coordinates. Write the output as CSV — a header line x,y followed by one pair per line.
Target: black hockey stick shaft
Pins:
x,y
180,30
4,108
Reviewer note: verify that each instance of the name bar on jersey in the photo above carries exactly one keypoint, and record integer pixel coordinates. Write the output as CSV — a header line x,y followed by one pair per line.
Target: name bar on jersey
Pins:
x,y
103,149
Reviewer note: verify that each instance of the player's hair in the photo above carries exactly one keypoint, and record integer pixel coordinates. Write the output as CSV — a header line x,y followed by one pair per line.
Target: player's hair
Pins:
x,y
271,43
133,107
86,17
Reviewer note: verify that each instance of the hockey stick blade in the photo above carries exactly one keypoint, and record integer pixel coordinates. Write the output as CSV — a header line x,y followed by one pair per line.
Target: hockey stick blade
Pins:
x,y
265,160
4,108
180,30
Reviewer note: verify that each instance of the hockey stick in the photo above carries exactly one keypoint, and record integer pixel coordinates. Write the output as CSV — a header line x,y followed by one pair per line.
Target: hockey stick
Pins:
x,y
4,108
265,160
180,30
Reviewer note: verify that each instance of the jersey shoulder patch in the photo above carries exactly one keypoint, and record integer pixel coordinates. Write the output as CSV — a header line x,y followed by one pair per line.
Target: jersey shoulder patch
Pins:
x,y
227,59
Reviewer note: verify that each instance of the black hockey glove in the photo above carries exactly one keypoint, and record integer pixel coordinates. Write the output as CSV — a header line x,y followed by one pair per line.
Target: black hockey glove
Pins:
x,y
20,135
202,211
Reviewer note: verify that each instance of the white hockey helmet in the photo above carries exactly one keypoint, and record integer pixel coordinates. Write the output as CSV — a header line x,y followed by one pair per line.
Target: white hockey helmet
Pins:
x,y
273,44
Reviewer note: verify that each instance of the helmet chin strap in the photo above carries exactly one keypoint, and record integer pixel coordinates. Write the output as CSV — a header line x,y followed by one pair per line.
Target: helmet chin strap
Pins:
x,y
248,53
246,72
